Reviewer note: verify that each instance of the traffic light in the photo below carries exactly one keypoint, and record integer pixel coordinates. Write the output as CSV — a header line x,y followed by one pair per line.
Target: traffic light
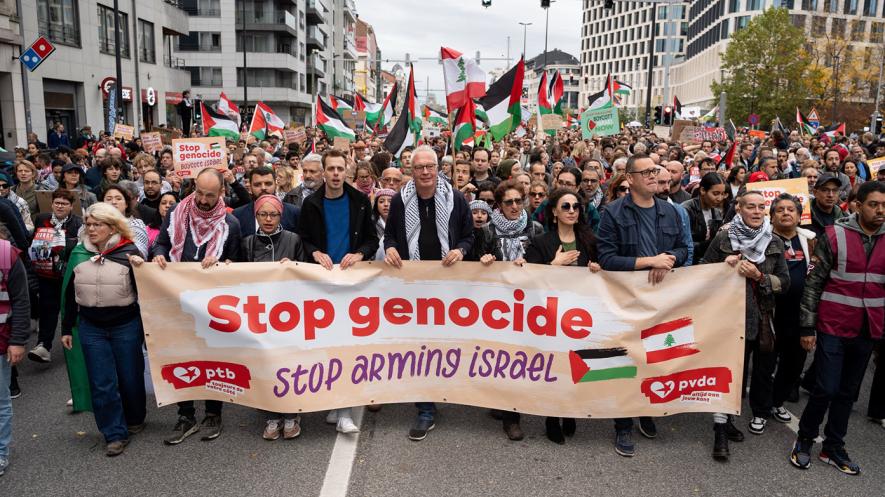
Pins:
x,y
545,4
877,127
658,115
486,3
668,116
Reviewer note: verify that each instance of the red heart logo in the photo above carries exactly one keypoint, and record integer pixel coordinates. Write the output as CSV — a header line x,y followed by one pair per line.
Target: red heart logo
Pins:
x,y
591,124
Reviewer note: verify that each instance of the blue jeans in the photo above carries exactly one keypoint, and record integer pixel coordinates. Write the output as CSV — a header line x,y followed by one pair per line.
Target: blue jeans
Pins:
x,y
115,364
426,410
840,366
5,406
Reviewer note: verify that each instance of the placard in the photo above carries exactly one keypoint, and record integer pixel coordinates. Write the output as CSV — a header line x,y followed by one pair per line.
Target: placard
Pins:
x,y
551,122
874,165
698,134
192,155
168,134
797,187
152,142
600,122
341,143
294,136
678,126
757,133
124,131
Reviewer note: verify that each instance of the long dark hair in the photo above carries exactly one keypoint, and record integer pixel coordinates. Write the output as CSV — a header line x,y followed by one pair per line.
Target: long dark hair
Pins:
x,y
130,205
583,233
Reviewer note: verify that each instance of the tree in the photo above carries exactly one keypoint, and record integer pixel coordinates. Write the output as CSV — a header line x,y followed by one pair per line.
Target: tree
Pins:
x,y
765,68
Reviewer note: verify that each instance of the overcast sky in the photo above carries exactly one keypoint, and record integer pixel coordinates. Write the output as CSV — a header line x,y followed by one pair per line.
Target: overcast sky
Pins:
x,y
420,28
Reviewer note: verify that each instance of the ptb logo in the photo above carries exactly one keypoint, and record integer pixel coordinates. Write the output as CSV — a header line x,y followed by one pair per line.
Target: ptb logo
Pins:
x,y
209,373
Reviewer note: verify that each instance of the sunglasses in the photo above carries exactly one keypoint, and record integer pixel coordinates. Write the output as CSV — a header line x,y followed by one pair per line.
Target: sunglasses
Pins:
x,y
538,194
512,201
623,189
568,207
4,186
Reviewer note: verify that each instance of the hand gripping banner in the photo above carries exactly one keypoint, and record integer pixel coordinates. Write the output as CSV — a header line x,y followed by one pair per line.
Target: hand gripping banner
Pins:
x,y
545,340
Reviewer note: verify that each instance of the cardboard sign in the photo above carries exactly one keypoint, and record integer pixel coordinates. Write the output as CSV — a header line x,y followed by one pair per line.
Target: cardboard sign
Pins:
x,y
294,136
551,121
797,187
168,134
341,143
44,202
698,134
600,122
192,155
874,165
678,126
757,133
124,132
152,142
353,119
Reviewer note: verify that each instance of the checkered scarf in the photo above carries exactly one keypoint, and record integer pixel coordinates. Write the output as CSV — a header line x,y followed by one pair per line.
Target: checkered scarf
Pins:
x,y
749,241
444,200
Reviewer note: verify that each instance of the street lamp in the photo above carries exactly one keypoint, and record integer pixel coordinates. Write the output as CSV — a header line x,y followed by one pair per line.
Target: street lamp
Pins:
x,y
524,26
546,26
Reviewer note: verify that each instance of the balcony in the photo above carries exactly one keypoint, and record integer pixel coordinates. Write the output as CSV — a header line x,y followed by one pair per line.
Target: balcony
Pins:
x,y
350,10
349,47
268,20
316,38
173,62
316,66
174,18
316,12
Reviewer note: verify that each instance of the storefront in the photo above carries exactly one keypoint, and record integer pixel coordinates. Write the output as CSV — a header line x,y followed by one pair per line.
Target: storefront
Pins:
x,y
63,102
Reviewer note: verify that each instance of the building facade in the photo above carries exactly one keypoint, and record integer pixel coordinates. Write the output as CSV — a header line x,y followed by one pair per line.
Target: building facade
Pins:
x,y
556,60
697,33
344,55
70,86
366,75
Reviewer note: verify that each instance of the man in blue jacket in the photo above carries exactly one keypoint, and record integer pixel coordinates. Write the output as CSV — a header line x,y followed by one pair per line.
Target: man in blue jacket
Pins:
x,y
640,232
262,181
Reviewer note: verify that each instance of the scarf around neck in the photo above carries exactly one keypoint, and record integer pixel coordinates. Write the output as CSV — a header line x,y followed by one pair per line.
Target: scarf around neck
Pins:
x,y
444,201
206,228
750,242
511,233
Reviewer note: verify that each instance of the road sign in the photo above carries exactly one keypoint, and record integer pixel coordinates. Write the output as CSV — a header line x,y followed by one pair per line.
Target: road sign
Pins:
x,y
37,53
753,119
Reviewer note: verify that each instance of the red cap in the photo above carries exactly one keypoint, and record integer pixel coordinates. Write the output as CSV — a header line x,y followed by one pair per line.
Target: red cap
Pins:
x,y
758,176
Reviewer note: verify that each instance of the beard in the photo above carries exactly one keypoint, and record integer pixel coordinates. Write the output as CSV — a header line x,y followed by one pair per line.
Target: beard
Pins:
x,y
312,184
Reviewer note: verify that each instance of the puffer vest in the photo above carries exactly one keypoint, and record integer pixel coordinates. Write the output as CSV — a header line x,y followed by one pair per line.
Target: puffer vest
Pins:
x,y
101,282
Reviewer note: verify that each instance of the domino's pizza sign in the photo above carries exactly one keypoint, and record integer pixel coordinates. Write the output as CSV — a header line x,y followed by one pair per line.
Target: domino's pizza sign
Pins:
x,y
37,53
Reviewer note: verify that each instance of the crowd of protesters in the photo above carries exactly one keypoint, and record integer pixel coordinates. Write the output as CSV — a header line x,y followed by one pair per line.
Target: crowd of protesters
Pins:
x,y
630,202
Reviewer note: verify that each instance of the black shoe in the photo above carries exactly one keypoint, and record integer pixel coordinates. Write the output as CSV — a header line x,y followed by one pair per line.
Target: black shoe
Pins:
x,y
720,442
793,396
839,458
647,427
513,430
554,431
569,426
14,390
211,427
624,443
184,428
136,429
732,431
420,429
800,456
496,414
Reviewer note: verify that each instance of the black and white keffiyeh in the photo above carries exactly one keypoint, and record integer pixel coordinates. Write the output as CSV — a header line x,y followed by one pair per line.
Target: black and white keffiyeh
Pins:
x,y
444,200
511,234
749,241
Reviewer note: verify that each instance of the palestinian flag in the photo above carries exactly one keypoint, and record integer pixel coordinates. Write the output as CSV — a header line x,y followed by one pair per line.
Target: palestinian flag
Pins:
x,y
600,365
435,117
481,114
669,340
74,359
555,92
600,100
728,158
835,128
778,125
403,134
218,124
379,115
358,102
228,108
465,124
544,106
677,107
804,126
265,123
331,123
711,117
621,88
501,103
340,103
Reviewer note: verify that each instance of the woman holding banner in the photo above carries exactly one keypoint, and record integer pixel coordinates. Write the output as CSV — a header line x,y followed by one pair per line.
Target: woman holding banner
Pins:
x,y
99,291
271,243
569,241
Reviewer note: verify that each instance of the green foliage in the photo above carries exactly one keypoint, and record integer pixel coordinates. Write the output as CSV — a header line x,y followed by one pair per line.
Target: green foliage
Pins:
x,y
766,68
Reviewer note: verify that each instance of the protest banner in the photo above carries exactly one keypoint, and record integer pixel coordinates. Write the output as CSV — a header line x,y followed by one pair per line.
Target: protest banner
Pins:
x,y
797,187
294,136
124,132
698,134
874,165
192,155
151,142
542,340
602,122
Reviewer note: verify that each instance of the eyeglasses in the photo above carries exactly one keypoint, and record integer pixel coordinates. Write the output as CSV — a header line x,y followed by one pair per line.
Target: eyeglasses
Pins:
x,y
61,204
645,173
566,184
588,181
512,201
267,215
538,194
568,207
425,167
490,202
95,225
623,189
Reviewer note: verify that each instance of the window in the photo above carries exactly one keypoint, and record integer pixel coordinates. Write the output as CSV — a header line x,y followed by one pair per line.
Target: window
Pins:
x,y
870,7
831,6
755,4
200,41
876,30
850,7
207,8
734,5
59,21
146,48
838,28
810,5
818,25
798,20
106,31
741,22
857,30
205,76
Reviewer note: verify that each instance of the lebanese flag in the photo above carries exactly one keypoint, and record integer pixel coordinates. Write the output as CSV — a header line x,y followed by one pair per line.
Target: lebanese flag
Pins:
x,y
600,365
464,79
228,108
669,340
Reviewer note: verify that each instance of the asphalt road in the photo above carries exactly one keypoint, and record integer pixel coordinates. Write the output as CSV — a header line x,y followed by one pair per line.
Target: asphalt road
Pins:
x,y
60,454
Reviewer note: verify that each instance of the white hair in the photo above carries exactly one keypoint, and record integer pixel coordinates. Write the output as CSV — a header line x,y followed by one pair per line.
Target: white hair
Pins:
x,y
314,158
425,149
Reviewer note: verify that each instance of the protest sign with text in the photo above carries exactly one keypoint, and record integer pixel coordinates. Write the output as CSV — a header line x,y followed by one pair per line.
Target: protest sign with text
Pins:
x,y
797,187
874,165
192,155
602,122
151,142
536,339
124,132
294,136
698,134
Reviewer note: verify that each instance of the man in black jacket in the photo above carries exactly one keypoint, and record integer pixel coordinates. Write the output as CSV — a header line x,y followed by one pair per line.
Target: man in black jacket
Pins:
x,y
263,181
430,221
336,227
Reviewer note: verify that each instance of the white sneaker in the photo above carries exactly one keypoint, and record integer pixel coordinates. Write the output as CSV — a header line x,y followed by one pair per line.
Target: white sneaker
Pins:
x,y
70,403
40,354
880,422
4,463
345,425
781,414
332,417
757,425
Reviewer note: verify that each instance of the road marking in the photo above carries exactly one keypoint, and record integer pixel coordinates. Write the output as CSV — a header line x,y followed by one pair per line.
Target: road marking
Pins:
x,y
794,425
337,479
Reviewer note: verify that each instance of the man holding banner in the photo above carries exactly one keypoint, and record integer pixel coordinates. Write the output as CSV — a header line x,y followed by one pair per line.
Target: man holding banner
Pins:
x,y
198,229
429,221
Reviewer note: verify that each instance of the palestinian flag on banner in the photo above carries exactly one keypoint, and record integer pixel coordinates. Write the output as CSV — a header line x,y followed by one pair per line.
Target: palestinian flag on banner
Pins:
x,y
436,117
669,340
804,126
555,92
331,123
403,134
218,124
228,108
464,79
600,365
544,106
358,102
265,123
502,102
465,124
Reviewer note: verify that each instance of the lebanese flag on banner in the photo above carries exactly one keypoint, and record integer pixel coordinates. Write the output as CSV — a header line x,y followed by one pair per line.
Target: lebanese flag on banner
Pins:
x,y
265,123
228,108
464,79
556,91
669,340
